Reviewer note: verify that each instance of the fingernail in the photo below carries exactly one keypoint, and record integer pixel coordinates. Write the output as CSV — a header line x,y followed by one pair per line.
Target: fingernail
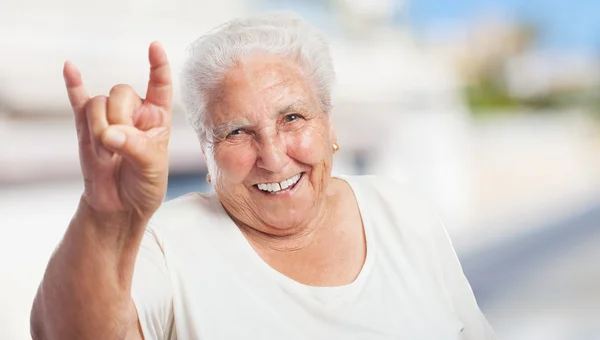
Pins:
x,y
115,138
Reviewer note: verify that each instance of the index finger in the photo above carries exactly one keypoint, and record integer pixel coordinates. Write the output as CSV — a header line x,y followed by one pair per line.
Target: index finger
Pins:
x,y
160,89
78,95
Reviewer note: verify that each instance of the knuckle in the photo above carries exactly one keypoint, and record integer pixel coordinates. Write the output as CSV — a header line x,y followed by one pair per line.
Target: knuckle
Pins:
x,y
97,101
122,99
121,89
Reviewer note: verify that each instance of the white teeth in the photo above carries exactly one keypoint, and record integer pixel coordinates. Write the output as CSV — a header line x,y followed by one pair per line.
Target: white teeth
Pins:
x,y
275,187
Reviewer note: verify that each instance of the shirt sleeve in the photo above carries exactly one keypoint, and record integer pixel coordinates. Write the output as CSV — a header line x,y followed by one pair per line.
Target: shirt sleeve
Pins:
x,y
476,326
151,289
447,267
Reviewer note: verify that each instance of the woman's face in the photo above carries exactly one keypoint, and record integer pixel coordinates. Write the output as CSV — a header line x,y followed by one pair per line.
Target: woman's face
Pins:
x,y
270,149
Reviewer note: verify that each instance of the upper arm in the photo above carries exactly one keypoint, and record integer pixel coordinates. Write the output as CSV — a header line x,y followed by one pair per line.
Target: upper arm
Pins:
x,y
151,291
441,259
459,290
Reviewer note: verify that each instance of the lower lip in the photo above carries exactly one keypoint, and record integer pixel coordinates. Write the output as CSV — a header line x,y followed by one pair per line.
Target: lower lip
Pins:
x,y
283,193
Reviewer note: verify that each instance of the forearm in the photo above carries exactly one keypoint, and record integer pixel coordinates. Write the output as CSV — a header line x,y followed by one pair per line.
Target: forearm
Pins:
x,y
86,290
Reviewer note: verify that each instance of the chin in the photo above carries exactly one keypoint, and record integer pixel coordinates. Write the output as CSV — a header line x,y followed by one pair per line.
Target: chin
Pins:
x,y
287,213
283,216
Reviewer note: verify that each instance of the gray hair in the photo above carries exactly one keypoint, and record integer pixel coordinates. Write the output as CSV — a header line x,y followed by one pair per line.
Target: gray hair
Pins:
x,y
280,33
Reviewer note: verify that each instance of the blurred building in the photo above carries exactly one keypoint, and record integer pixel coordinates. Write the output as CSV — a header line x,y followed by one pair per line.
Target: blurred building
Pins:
x,y
538,73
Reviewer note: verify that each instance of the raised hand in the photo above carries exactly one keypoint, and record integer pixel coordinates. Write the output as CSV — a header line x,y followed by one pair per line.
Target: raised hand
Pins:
x,y
123,143
123,140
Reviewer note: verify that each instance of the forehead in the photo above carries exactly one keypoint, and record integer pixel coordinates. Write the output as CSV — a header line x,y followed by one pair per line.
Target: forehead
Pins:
x,y
262,84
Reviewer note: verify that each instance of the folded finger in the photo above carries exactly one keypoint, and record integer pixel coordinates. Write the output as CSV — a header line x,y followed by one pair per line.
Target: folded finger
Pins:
x,y
95,112
122,103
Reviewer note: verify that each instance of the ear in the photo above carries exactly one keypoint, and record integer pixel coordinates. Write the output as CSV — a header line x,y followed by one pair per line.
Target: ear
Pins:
x,y
205,152
208,154
332,132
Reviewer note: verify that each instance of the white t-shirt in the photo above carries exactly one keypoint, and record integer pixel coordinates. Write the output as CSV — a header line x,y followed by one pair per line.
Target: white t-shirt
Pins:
x,y
197,277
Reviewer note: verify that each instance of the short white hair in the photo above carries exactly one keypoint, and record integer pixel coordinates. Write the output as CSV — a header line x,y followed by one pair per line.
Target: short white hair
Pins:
x,y
279,33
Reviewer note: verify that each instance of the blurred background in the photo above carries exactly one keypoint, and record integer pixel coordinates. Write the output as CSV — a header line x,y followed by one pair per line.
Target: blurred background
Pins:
x,y
491,106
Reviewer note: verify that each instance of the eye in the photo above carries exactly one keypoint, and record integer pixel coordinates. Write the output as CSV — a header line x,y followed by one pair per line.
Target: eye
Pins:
x,y
291,117
236,132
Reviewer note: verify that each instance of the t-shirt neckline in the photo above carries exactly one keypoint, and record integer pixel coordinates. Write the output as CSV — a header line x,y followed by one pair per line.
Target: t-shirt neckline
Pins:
x,y
324,294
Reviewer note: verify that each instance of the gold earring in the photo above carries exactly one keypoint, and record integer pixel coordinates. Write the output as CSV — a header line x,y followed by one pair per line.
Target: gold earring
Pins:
x,y
336,147
208,179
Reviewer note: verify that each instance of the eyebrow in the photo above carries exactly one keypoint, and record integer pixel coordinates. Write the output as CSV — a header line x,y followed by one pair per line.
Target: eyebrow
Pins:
x,y
225,128
298,105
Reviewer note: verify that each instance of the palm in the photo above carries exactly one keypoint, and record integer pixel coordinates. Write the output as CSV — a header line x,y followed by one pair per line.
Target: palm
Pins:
x,y
131,185
128,176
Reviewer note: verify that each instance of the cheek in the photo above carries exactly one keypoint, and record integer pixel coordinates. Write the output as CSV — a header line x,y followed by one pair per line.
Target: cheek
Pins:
x,y
309,146
235,163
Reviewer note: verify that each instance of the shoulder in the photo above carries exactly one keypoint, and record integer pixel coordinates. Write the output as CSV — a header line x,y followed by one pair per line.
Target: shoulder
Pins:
x,y
188,203
183,206
400,202
397,191
187,211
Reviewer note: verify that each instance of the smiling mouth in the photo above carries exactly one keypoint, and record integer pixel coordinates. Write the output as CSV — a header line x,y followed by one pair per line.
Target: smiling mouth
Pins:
x,y
278,188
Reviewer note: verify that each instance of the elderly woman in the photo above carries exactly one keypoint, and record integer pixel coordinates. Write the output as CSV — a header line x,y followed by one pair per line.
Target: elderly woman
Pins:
x,y
280,249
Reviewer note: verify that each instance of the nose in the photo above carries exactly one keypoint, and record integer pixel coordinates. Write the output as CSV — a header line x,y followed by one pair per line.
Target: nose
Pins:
x,y
272,154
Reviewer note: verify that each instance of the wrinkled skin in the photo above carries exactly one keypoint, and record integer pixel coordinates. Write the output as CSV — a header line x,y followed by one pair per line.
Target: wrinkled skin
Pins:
x,y
123,149
266,125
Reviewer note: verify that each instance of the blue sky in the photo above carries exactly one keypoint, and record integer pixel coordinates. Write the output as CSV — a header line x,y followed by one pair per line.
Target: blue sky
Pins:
x,y
565,25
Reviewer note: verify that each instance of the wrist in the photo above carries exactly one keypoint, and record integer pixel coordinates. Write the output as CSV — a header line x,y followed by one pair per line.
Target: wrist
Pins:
x,y
120,225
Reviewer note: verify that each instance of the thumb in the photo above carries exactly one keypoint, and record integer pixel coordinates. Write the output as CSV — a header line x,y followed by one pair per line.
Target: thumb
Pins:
x,y
131,143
